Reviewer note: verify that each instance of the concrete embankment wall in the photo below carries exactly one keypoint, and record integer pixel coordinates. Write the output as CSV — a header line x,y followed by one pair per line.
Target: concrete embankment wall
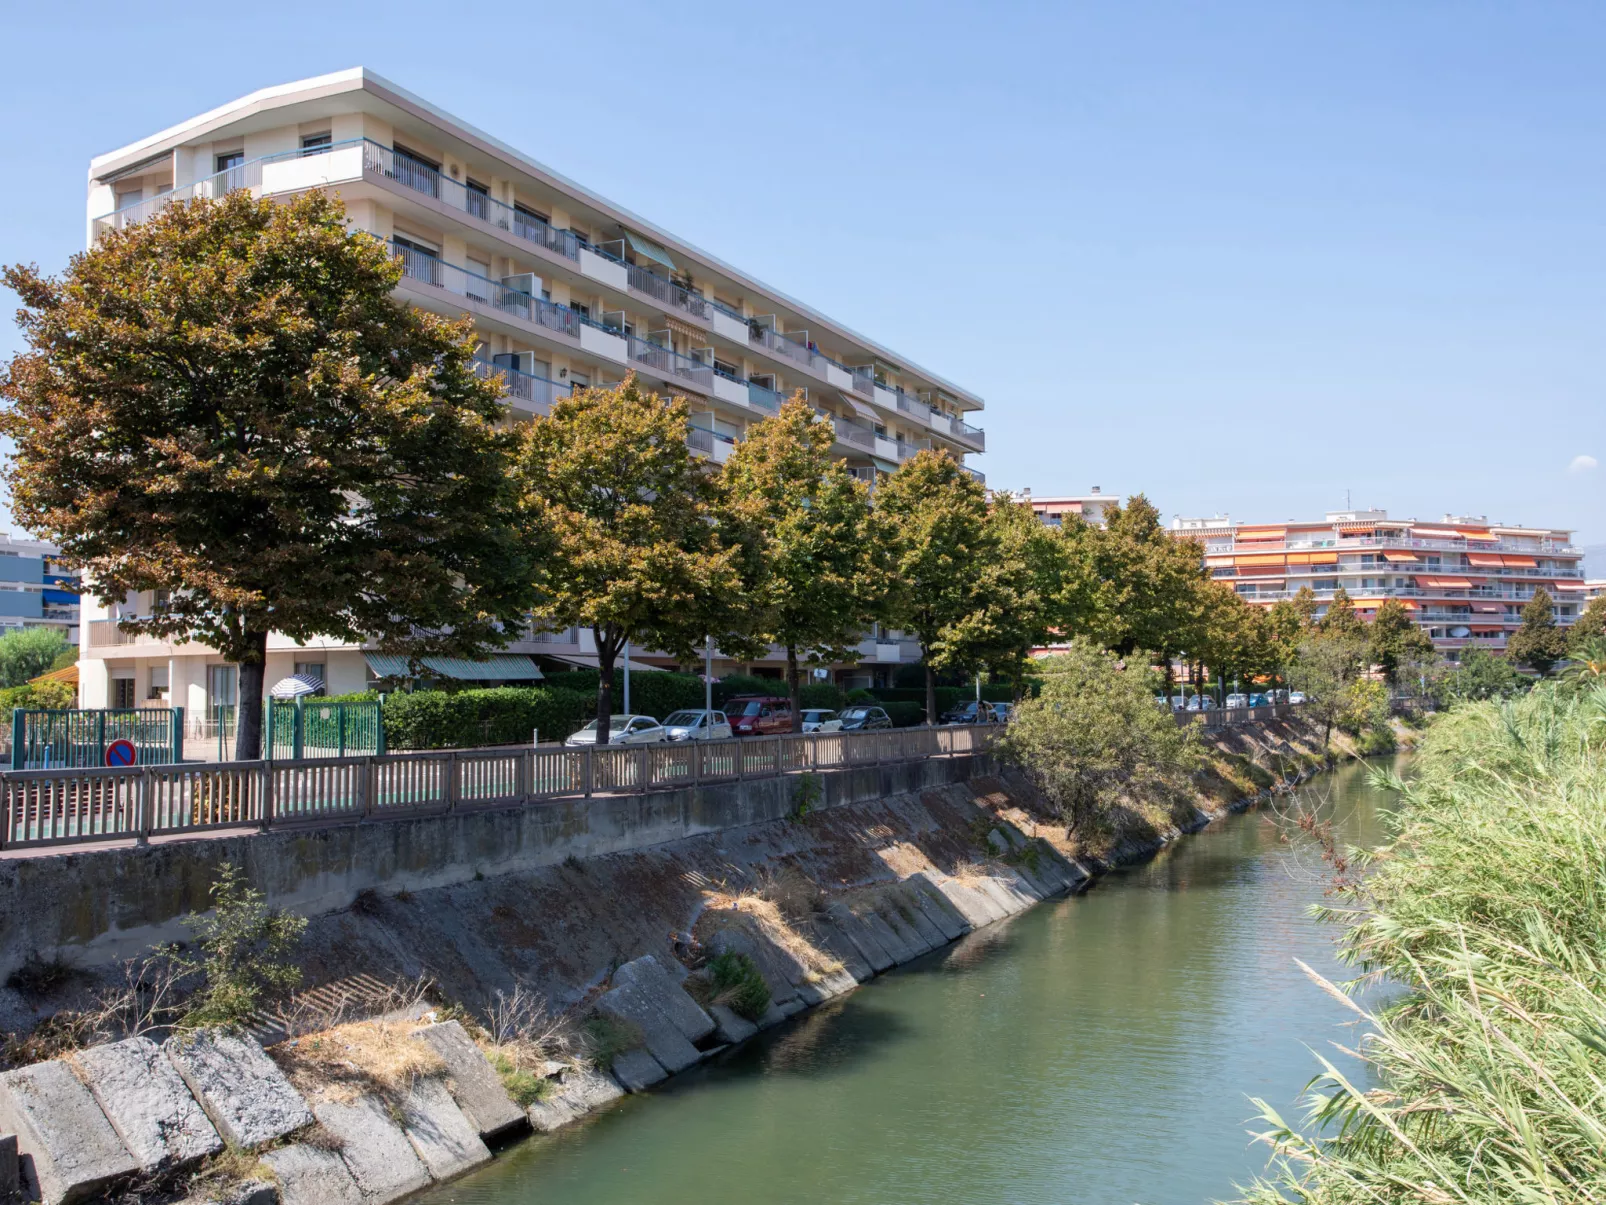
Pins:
x,y
96,907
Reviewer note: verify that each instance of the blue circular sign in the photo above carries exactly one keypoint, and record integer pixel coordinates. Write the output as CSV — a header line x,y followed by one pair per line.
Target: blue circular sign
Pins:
x,y
120,753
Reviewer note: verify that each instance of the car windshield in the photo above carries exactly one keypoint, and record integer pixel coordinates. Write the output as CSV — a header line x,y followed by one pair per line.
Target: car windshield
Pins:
x,y
854,713
753,708
615,724
819,715
684,719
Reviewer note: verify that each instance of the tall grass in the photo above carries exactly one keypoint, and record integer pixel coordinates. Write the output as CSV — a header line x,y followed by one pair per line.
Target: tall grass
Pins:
x,y
1488,907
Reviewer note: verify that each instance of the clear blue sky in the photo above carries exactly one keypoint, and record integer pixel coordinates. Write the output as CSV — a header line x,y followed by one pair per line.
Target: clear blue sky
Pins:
x,y
1241,256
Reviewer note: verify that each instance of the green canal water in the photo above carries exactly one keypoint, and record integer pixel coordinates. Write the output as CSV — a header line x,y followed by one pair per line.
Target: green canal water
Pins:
x,y
1099,1050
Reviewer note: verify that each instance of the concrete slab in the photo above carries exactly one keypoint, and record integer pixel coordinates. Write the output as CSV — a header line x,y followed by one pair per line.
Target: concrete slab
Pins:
x,y
976,908
444,1139
891,940
856,931
373,1148
147,1102
842,949
552,1114
243,1091
909,905
627,1002
637,1070
588,1089
781,972
649,976
939,909
1009,902
731,1028
65,1145
474,1083
892,911
310,1175
244,1192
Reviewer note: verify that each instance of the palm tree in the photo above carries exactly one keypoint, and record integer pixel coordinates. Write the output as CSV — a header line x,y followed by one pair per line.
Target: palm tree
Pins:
x,y
1588,662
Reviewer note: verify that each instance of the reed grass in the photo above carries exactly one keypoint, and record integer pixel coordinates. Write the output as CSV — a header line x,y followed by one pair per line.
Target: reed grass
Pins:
x,y
1488,907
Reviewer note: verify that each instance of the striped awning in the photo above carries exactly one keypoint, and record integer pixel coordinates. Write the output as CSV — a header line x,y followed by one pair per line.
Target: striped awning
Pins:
x,y
1481,535
1445,583
886,466
651,250
1260,533
1519,562
502,668
1485,560
1401,557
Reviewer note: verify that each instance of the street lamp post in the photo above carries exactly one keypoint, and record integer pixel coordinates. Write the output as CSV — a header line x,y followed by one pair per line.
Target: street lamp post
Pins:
x,y
708,675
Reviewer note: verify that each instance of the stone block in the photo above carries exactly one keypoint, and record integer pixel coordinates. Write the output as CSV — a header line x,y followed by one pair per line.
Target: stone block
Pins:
x,y
937,907
243,1091
10,1169
637,1070
587,1089
731,1028
627,1002
655,983
892,914
445,1140
908,903
843,949
373,1148
473,1082
147,1102
550,1114
856,931
891,940
975,907
64,1142
310,1175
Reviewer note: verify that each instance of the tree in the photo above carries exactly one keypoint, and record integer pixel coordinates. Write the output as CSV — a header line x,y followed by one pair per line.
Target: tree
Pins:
x,y
1538,643
934,516
819,579
1305,606
1324,668
1588,666
28,652
1591,624
1397,640
1290,622
621,524
1481,675
1341,619
223,406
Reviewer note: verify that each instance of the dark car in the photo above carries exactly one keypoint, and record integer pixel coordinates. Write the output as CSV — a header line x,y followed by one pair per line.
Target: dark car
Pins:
x,y
759,715
863,718
973,712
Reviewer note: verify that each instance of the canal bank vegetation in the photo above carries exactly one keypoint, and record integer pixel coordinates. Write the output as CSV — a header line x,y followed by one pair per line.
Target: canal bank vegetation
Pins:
x,y
1489,908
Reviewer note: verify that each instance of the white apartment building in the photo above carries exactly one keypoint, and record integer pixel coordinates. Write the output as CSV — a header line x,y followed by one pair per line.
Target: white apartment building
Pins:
x,y
1090,507
36,591
566,289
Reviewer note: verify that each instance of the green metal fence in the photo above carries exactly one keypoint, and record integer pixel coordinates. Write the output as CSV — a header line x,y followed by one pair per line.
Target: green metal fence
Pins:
x,y
42,740
311,728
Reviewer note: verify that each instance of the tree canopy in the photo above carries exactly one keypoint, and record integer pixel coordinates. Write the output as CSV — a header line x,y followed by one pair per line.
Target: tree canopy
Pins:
x,y
1538,643
28,652
224,406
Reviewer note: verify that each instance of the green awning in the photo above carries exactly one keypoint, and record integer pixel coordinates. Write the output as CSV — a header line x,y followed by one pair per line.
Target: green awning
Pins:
x,y
886,466
503,668
651,250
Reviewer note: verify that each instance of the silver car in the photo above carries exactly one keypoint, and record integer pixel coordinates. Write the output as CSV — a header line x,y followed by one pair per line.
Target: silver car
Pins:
x,y
622,730
695,724
820,719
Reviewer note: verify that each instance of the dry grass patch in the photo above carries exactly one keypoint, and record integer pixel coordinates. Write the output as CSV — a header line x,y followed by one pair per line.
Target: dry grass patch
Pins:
x,y
341,1064
778,911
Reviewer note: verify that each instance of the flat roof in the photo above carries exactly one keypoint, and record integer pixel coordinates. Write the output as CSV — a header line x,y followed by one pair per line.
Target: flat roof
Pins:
x,y
361,79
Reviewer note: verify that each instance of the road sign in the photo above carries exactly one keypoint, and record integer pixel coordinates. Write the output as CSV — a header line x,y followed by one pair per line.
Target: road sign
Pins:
x,y
120,753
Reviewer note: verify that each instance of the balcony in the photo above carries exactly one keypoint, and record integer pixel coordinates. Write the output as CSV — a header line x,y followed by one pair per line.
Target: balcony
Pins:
x,y
671,364
536,392
712,444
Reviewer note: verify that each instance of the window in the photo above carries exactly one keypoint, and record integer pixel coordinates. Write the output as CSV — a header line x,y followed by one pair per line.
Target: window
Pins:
x,y
418,261
124,200
579,307
222,685
231,160
477,199
315,144
123,693
158,683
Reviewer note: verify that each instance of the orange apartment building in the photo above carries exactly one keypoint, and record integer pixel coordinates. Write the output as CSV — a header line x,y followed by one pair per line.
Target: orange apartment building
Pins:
x,y
1465,579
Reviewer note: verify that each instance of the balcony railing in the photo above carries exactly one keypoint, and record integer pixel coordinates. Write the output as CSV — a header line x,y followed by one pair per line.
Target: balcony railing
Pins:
x,y
976,473
536,392
784,345
425,268
670,363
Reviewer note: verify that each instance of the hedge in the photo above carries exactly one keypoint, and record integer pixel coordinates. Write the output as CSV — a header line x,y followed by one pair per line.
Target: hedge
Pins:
x,y
500,715
652,692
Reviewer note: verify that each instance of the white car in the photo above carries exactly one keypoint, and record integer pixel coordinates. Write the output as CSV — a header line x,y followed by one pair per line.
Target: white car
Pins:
x,y
820,719
695,724
1296,696
622,730
1237,701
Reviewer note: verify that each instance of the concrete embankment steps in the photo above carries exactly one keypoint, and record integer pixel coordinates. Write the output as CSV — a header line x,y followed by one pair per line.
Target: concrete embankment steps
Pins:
x,y
95,1122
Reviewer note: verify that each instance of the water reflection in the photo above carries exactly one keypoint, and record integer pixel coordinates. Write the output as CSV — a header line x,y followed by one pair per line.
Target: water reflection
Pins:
x,y
1095,1050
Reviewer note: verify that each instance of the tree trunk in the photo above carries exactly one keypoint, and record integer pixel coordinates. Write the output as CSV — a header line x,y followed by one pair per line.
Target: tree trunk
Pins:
x,y
931,690
793,689
606,652
248,715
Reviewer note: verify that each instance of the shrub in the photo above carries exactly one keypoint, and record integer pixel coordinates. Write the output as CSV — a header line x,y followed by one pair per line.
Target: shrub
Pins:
x,y
501,715
860,694
820,694
28,652
905,715
607,1037
246,953
652,692
740,984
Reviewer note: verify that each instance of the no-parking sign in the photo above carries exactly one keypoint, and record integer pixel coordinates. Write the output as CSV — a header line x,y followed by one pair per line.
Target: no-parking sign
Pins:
x,y
120,753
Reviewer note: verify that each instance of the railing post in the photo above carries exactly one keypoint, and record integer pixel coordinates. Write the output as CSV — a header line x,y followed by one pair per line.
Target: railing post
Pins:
x,y
19,729
142,808
643,769
524,775
369,772
451,782
696,761
177,734
267,794
590,777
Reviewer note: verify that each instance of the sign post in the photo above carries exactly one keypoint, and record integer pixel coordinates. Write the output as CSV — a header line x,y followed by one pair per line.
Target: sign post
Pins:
x,y
120,753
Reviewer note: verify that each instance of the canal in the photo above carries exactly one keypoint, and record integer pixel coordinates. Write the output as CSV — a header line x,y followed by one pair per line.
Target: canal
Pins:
x,y
1100,1050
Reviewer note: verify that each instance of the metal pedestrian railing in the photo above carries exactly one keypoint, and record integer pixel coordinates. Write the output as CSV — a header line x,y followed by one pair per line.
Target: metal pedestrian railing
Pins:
x,y
96,804
60,739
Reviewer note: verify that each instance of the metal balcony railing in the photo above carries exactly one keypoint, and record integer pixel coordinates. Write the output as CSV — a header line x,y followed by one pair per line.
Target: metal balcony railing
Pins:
x,y
429,269
536,392
667,362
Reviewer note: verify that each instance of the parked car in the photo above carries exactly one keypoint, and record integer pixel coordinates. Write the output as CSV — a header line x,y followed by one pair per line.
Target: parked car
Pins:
x,y
759,715
1179,702
820,719
695,724
973,712
1238,700
1003,711
1201,703
863,718
622,730
1258,700
1296,696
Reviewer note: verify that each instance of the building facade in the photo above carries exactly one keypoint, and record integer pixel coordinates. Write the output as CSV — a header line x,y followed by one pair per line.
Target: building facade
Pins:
x,y
1464,579
36,590
1089,506
565,288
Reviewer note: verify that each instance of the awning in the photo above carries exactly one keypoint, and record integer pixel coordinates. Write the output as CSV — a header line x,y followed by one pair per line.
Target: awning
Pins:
x,y
1273,558
1445,583
1401,557
1435,533
1485,560
1572,585
587,661
1258,571
698,338
865,412
1481,535
1410,604
1261,533
884,465
1489,608
1520,562
1356,529
651,250
503,668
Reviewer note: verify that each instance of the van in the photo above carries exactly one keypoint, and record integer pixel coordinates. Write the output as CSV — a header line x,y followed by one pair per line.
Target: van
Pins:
x,y
759,715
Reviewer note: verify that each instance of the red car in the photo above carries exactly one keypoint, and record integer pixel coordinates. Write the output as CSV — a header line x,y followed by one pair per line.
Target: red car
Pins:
x,y
759,715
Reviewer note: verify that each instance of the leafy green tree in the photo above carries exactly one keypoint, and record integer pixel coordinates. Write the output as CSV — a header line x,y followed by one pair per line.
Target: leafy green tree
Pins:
x,y
1324,667
934,516
622,526
28,652
1396,640
1480,675
1591,625
246,953
1341,619
1093,735
223,405
1305,605
1538,643
821,576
